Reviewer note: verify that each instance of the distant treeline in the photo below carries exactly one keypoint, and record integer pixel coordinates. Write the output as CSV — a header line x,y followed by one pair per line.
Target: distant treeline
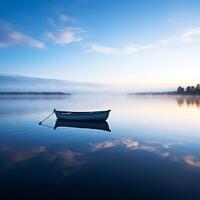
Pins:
x,y
34,93
189,90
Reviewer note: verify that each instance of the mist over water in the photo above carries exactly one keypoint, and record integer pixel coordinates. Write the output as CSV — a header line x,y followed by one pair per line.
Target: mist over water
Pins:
x,y
14,83
152,151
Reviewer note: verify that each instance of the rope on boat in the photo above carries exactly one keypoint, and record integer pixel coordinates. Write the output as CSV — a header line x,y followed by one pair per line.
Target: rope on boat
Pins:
x,y
40,123
47,126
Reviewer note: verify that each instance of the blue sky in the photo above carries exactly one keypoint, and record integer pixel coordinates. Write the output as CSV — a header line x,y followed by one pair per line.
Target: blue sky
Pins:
x,y
143,43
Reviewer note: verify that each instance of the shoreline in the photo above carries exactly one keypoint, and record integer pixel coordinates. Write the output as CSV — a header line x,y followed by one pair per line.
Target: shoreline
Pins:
x,y
34,93
164,94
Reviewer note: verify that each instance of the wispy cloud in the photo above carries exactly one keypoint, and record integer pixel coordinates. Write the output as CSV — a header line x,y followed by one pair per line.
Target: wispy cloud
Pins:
x,y
127,50
61,33
131,49
101,49
159,43
190,35
61,21
64,36
10,36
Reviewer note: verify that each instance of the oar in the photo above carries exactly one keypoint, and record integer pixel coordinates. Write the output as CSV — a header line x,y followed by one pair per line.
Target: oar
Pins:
x,y
46,118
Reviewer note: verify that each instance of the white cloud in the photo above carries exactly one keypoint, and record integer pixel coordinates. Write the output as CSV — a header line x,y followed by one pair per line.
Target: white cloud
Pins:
x,y
18,37
127,50
64,36
61,33
160,43
190,35
101,49
131,49
9,36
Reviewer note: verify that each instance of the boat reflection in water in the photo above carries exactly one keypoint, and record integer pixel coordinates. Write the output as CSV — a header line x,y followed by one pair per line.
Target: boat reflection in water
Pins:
x,y
99,125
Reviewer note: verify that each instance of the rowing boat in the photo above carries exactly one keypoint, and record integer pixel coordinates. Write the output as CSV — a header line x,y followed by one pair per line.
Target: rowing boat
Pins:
x,y
82,116
98,125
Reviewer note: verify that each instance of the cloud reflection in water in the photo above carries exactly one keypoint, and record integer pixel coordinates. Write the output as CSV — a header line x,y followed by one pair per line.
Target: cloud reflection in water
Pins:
x,y
156,147
63,159
191,160
66,161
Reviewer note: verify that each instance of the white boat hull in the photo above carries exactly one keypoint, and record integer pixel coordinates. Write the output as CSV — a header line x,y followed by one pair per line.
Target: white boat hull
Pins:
x,y
83,116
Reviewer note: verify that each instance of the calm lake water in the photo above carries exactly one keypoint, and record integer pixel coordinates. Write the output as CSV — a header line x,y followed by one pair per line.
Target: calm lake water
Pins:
x,y
151,152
